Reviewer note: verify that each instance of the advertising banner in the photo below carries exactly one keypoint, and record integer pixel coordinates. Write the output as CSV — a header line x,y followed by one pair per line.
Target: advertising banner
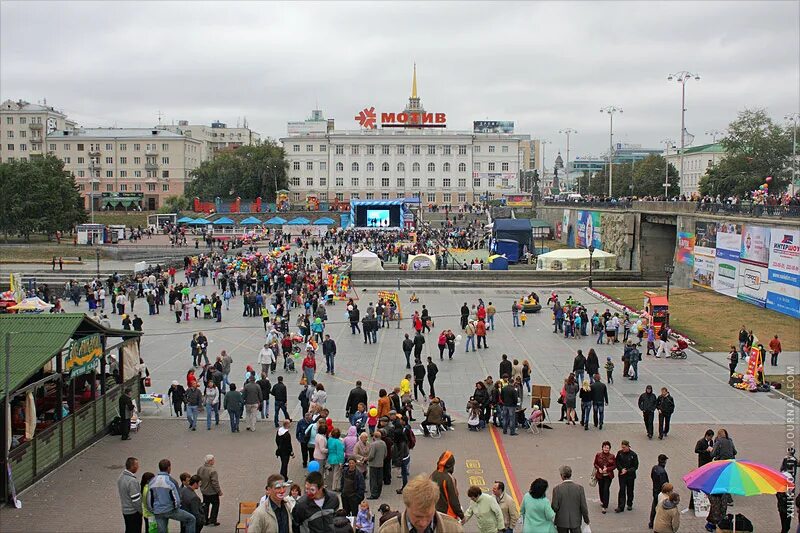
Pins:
x,y
705,249
492,126
729,243
685,252
753,265
703,271
783,292
588,230
754,248
83,356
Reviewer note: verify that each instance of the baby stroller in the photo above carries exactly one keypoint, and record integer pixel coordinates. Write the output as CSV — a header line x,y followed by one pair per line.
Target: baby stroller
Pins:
x,y
288,361
679,350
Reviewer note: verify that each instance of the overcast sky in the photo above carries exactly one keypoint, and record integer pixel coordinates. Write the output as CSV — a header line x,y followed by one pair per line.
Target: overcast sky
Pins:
x,y
546,66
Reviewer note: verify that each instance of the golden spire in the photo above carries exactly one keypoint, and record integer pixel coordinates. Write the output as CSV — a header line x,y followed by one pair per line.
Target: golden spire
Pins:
x,y
414,83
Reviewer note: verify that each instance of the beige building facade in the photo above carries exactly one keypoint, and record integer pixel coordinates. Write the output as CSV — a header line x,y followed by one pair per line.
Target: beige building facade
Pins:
x,y
216,137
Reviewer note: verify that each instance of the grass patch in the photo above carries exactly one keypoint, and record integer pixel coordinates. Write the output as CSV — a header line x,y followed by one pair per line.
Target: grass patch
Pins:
x,y
45,253
713,320
790,385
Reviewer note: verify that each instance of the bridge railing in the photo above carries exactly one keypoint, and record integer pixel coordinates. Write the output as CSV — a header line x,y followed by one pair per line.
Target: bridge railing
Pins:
x,y
747,209
751,210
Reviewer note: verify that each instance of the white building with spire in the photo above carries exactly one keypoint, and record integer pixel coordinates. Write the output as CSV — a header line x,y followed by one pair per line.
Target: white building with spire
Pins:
x,y
399,155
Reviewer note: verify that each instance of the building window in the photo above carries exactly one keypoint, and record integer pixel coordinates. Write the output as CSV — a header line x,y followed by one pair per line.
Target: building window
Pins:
x,y
323,148
67,147
123,173
491,166
431,197
165,160
295,181
137,187
504,182
323,196
81,174
415,149
462,167
23,147
340,196
384,182
462,182
9,120
339,167
81,160
10,147
355,196
446,149
431,149
401,167
415,182
81,187
446,183
354,167
23,134
491,148
446,167
309,182
136,147
504,166
137,173
431,183
370,182
476,183
476,166
109,160
354,182
53,149
385,149
431,167
165,147
339,182
109,173
123,147
323,165
446,198
385,167
165,187
123,160
401,182
295,148
384,196
309,148
339,149
67,160
323,181
136,161
476,149
10,134
370,149
354,149
370,167
415,167
462,197
491,182
401,149
399,195
122,187
309,165
462,149
296,165
370,196
151,187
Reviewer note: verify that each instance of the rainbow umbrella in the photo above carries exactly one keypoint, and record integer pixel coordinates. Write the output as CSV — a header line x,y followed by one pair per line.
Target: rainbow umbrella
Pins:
x,y
732,476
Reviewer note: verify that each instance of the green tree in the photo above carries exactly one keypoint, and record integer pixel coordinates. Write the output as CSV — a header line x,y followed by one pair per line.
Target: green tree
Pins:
x,y
38,196
756,147
621,181
175,204
648,177
247,172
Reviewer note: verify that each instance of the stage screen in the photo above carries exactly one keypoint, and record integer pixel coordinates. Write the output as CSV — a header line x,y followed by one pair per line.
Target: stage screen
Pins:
x,y
371,217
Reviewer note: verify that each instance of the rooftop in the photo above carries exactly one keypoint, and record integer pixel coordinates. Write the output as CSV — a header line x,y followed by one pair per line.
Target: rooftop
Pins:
x,y
117,133
715,148
27,107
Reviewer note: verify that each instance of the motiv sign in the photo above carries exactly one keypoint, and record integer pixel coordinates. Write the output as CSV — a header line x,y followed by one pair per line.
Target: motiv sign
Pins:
x,y
368,118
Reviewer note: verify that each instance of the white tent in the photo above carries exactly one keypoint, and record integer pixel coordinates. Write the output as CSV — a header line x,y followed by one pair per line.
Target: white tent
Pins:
x,y
576,259
421,262
365,260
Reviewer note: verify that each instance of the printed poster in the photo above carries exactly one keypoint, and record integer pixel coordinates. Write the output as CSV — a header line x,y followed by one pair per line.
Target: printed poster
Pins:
x,y
753,265
783,292
755,245
588,230
705,238
729,243
703,271
685,252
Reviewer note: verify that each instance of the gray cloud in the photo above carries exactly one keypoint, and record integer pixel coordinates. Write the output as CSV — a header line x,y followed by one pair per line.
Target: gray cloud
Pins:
x,y
547,66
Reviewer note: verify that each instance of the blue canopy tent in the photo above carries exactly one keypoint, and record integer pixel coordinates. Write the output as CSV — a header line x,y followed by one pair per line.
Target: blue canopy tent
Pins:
x,y
511,236
250,221
276,221
185,220
498,262
299,221
224,221
324,221
200,222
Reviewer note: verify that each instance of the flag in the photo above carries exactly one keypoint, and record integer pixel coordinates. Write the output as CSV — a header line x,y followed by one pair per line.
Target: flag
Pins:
x,y
688,138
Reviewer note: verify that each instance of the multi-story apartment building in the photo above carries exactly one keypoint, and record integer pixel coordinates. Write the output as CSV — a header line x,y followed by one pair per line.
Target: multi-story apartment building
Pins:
x,y
696,161
216,137
145,165
401,159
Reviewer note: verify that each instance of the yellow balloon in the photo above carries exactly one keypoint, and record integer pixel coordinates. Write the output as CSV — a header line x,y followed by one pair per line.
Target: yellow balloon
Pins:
x,y
373,412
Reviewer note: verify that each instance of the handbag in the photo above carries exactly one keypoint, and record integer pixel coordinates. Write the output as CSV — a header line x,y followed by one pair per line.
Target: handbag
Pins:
x,y
593,478
560,400
147,382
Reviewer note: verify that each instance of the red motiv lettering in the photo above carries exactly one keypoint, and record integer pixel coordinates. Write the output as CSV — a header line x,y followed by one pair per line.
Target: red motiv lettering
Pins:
x,y
441,118
387,117
427,118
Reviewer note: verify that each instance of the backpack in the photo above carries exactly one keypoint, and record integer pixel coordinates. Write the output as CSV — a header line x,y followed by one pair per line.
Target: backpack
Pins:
x,y
412,439
115,427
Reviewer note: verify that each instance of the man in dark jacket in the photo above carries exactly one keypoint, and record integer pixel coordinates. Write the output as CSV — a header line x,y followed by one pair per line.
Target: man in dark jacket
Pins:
x,y
329,351
659,476
432,370
599,400
579,366
508,395
126,413
419,378
408,345
666,406
353,488
464,315
266,389
190,501
506,368
302,437
647,405
357,395
307,514
279,393
703,449
234,403
419,341
627,464
354,315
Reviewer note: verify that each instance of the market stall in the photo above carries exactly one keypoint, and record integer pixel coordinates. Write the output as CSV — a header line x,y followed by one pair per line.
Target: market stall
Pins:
x,y
576,259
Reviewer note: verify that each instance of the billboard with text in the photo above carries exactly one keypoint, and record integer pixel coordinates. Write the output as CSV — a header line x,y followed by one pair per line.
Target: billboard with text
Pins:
x,y
726,258
587,230
754,264
783,291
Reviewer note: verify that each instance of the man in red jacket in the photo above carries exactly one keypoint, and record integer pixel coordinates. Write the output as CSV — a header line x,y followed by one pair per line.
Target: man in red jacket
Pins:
x,y
480,331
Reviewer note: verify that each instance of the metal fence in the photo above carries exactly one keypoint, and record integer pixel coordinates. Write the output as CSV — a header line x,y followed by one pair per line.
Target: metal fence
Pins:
x,y
750,210
713,208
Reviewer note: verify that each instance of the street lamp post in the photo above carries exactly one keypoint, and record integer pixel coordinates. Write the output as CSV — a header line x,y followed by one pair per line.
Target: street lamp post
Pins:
x,y
682,77
669,269
667,144
544,168
611,110
97,259
793,118
591,266
567,132
714,134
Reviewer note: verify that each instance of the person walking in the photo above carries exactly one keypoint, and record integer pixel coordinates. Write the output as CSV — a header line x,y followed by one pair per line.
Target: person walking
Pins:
x,y
647,405
315,510
469,331
666,406
569,503
130,496
733,360
507,507
464,315
265,358
432,370
234,403
211,400
663,339
375,459
627,462
408,345
536,512
210,489
419,378
357,395
775,350
190,501
570,395
743,341
599,400
329,351
283,447
668,516
194,399
280,394
579,366
164,500
252,402
480,331
659,476
585,395
486,509
448,502
419,342
604,465
353,487
126,409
